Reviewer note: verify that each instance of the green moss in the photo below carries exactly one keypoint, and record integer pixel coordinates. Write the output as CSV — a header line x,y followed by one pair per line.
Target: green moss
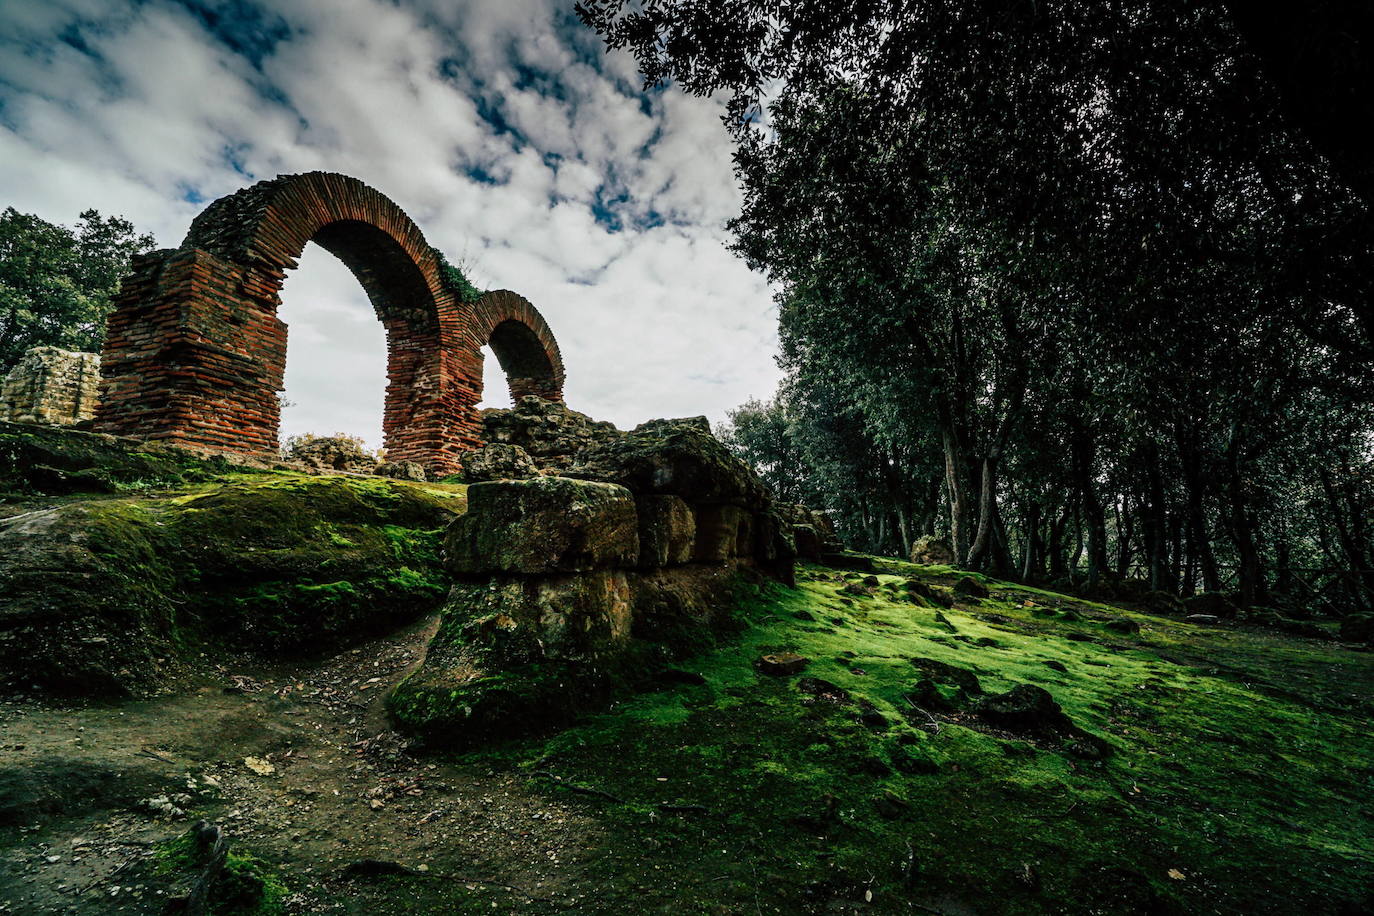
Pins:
x,y
36,460
246,886
1239,757
269,563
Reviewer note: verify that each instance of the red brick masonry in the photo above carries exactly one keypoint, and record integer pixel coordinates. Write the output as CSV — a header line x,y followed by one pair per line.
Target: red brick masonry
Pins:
x,y
195,353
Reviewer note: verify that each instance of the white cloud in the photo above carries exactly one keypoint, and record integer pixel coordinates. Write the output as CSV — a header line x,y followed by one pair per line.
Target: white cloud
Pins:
x,y
137,107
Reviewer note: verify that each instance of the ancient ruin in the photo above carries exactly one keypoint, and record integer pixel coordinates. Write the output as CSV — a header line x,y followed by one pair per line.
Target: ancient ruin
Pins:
x,y
51,385
196,353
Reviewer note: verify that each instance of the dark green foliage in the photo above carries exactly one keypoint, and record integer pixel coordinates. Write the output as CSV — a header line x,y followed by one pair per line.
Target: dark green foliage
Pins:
x,y
56,283
1048,274
456,280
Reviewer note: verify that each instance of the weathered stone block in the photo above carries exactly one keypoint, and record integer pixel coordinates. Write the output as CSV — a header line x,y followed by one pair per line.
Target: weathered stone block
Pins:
x,y
51,385
718,533
568,616
544,525
498,461
667,529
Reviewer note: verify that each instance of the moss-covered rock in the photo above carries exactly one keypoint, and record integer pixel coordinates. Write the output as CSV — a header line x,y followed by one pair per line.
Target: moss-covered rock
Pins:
x,y
113,595
676,457
47,460
547,524
516,654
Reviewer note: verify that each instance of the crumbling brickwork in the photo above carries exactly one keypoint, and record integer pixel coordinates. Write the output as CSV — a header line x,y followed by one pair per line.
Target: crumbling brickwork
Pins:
x,y
51,385
195,352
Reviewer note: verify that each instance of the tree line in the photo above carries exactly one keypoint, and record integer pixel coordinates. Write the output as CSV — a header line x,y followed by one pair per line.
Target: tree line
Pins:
x,y
57,282
1060,282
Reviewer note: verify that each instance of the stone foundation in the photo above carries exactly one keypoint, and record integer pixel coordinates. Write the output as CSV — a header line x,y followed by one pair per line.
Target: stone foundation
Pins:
x,y
53,386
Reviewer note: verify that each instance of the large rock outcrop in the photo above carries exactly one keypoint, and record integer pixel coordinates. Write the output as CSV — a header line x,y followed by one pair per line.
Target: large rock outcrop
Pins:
x,y
570,586
114,596
330,453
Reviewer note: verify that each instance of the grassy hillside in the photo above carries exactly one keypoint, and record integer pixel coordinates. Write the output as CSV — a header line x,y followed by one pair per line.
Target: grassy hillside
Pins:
x,y
952,744
1237,781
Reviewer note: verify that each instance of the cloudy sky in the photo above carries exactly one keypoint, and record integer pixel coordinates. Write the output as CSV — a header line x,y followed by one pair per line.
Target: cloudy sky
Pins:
x,y
522,150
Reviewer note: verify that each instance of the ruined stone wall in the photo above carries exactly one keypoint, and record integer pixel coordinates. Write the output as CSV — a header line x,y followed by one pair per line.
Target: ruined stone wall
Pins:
x,y
565,584
51,385
195,351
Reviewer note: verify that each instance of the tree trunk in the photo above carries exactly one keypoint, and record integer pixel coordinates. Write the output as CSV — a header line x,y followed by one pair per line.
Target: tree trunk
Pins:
x,y
1242,518
958,510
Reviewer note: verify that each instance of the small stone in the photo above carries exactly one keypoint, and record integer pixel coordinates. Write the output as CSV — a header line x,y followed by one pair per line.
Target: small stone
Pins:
x,y
260,766
783,664
970,587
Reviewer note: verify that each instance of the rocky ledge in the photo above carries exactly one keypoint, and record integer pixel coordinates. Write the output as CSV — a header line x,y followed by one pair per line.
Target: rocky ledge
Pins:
x,y
568,587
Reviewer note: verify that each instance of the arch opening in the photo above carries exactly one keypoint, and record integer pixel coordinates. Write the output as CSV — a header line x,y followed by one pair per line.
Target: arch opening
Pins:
x,y
336,353
495,383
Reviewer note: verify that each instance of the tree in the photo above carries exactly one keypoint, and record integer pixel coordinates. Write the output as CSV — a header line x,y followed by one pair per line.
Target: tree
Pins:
x,y
1077,255
56,283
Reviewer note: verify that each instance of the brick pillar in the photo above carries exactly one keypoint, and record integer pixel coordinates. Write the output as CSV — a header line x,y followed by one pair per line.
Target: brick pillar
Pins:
x,y
195,354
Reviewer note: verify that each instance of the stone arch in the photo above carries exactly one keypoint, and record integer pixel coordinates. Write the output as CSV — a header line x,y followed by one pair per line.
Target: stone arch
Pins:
x,y
195,353
522,342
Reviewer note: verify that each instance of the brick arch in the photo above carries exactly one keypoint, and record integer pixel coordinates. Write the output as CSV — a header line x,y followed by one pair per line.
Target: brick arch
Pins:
x,y
195,353
522,342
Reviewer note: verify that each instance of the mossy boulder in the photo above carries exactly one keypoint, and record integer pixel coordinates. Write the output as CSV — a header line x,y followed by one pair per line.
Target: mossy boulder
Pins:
x,y
115,595
38,460
969,587
929,550
517,654
543,525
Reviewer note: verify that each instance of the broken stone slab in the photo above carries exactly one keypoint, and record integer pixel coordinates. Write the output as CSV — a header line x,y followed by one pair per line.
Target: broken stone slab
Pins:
x,y
543,525
667,530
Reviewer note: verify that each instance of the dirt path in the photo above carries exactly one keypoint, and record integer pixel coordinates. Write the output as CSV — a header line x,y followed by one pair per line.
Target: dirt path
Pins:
x,y
297,764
